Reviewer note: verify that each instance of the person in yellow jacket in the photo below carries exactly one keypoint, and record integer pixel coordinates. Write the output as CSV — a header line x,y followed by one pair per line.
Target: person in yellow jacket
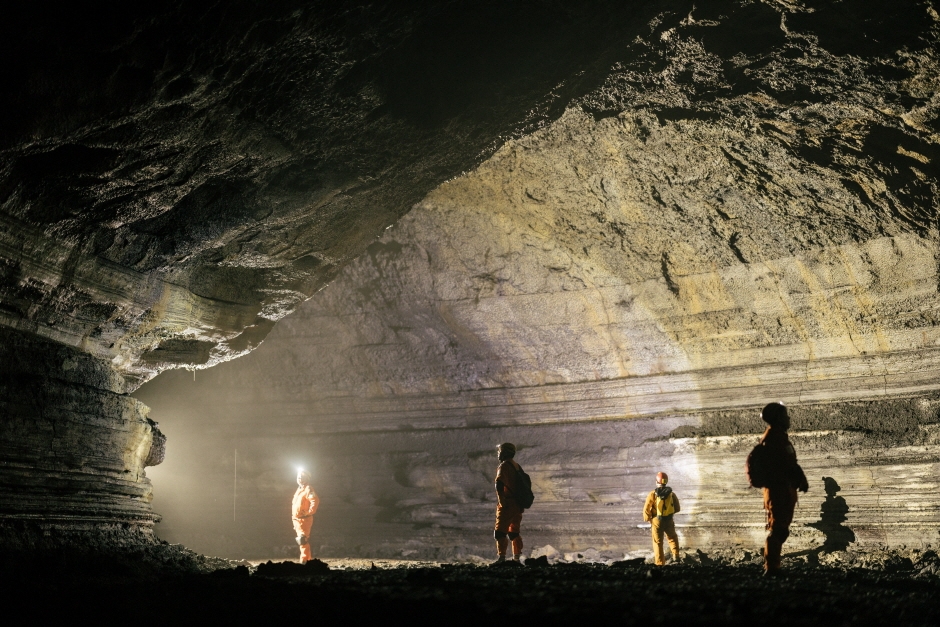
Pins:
x,y
661,504
303,508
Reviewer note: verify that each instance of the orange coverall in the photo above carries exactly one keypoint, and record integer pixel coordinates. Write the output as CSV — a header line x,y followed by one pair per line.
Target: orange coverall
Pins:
x,y
508,511
780,497
303,508
662,526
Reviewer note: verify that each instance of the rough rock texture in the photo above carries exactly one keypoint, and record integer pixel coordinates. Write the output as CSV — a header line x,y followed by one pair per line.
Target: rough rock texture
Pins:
x,y
706,589
174,178
738,203
73,448
428,492
745,211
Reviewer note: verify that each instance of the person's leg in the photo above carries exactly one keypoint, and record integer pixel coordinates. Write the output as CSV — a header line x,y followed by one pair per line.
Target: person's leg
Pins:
x,y
657,530
502,542
515,537
780,504
501,532
670,530
306,553
298,532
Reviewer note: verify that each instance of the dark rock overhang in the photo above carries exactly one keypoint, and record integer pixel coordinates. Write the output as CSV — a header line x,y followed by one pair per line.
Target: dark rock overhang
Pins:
x,y
176,178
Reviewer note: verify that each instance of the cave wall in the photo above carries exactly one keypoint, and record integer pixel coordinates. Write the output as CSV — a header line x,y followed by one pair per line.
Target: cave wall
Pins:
x,y
744,211
633,213
74,448
427,493
175,178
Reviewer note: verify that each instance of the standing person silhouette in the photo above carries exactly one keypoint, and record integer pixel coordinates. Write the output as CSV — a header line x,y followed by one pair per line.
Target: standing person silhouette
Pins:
x,y
303,507
772,466
508,509
831,516
661,505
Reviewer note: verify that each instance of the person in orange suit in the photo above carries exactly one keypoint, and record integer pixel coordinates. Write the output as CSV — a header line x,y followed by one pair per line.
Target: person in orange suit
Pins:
x,y
304,506
508,511
783,478
661,504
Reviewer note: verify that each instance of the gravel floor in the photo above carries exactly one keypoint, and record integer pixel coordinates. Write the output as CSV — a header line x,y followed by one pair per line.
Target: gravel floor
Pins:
x,y
719,588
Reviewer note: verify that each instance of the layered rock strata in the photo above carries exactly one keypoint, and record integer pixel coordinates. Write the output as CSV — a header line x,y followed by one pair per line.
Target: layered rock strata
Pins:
x,y
721,224
175,179
74,447
428,493
739,203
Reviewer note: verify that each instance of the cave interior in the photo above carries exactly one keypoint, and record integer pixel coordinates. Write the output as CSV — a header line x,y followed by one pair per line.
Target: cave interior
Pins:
x,y
377,240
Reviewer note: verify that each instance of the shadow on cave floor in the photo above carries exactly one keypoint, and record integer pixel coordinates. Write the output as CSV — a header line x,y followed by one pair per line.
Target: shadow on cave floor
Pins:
x,y
703,589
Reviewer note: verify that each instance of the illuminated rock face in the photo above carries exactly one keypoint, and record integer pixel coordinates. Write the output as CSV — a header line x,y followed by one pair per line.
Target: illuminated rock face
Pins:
x,y
619,293
681,211
174,180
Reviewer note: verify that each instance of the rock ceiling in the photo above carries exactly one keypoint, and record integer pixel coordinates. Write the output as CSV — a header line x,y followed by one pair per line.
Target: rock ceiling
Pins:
x,y
619,210
173,181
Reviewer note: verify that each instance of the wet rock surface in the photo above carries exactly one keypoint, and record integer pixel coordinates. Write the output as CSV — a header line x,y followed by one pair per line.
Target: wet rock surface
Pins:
x,y
717,588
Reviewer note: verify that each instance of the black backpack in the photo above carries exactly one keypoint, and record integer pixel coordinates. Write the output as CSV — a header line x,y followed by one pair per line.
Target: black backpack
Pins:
x,y
760,470
757,467
523,493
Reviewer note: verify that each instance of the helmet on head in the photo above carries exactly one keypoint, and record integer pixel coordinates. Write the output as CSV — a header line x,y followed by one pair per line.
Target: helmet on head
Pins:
x,y
506,450
774,414
662,478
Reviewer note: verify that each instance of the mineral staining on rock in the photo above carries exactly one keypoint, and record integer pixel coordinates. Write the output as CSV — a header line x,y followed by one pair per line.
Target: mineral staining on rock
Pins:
x,y
738,203
175,180
736,215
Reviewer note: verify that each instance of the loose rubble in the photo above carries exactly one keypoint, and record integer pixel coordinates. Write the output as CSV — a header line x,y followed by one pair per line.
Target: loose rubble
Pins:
x,y
717,587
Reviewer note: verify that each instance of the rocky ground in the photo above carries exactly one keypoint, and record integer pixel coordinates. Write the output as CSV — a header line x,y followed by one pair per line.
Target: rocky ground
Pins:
x,y
168,582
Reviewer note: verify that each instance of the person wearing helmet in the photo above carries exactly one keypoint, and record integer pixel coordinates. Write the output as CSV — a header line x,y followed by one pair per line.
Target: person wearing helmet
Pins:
x,y
782,477
661,504
508,510
303,508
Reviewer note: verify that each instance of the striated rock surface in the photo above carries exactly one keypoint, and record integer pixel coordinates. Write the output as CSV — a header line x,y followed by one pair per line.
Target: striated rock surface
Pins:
x,y
176,178
681,212
73,447
744,211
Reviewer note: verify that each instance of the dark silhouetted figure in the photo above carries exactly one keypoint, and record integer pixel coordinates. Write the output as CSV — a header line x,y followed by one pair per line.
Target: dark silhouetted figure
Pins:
x,y
508,509
772,466
831,516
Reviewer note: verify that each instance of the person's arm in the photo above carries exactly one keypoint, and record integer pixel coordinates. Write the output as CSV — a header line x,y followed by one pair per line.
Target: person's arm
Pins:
x,y
648,508
314,503
799,478
500,484
296,506
675,502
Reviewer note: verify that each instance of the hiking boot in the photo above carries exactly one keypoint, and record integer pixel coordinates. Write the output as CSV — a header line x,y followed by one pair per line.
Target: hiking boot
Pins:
x,y
499,560
517,558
